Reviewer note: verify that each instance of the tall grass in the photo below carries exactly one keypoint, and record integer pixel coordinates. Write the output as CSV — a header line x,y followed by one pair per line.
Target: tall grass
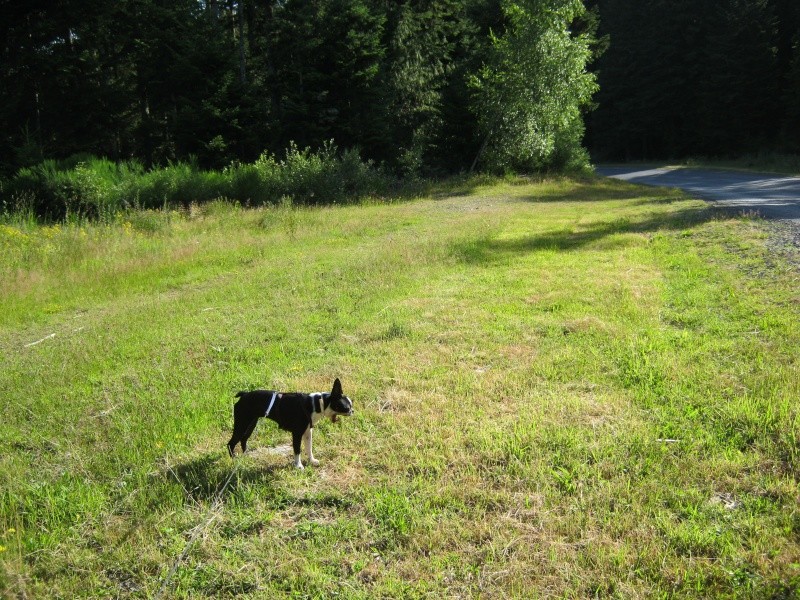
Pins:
x,y
95,188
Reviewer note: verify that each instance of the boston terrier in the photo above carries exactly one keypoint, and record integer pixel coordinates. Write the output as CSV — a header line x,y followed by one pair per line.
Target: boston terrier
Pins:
x,y
292,411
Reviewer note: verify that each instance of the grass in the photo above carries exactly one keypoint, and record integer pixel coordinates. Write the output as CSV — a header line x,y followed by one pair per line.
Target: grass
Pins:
x,y
562,389
764,162
772,162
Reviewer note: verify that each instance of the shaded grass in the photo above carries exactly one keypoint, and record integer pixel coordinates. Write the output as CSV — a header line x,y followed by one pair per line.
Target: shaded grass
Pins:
x,y
773,162
563,388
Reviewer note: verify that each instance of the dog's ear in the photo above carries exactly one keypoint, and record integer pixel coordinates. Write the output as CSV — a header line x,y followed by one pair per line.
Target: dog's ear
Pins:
x,y
336,392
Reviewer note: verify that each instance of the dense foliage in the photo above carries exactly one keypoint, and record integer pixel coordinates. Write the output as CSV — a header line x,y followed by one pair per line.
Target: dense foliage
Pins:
x,y
418,86
687,78
538,124
84,186
219,82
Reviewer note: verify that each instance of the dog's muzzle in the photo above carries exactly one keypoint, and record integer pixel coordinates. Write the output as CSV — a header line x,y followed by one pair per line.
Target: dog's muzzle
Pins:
x,y
335,416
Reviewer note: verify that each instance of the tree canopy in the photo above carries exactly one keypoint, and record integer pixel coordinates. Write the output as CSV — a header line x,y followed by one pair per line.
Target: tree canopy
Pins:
x,y
533,85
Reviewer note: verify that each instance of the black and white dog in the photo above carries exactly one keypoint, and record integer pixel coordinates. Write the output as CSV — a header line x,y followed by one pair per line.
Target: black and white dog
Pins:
x,y
292,411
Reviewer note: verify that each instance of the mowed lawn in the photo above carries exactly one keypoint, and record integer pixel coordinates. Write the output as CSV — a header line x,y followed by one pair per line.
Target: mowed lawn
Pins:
x,y
562,388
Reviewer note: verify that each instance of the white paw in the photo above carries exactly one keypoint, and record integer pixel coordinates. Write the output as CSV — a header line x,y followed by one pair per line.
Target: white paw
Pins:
x,y
313,462
298,465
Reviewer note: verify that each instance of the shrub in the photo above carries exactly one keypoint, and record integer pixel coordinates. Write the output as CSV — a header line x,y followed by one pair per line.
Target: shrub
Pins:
x,y
81,185
178,184
95,188
321,177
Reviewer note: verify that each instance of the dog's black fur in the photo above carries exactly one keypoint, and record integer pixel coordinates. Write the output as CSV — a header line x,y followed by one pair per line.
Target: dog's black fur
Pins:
x,y
293,411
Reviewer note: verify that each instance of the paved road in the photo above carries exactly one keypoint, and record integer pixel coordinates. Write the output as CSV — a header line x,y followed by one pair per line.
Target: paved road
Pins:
x,y
772,196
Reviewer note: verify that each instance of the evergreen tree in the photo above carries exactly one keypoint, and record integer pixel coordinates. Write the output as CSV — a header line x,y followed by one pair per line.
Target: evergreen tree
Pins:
x,y
324,63
738,96
791,114
788,59
423,59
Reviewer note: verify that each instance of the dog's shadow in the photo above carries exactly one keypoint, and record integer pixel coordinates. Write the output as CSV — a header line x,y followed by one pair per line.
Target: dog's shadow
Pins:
x,y
215,476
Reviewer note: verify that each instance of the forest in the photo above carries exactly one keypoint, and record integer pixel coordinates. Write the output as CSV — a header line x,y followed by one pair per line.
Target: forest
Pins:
x,y
420,87
682,78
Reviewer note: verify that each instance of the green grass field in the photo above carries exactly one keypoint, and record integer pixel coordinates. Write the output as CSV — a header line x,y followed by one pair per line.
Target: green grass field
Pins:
x,y
562,389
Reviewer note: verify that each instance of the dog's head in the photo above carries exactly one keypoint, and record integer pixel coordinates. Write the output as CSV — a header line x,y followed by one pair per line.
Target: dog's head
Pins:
x,y
338,405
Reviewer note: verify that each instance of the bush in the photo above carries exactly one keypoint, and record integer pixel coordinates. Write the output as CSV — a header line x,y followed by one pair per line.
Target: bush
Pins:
x,y
95,188
81,185
320,177
179,184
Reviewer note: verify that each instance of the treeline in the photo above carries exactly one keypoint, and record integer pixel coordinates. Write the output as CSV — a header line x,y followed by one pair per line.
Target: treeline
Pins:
x,y
418,86
687,78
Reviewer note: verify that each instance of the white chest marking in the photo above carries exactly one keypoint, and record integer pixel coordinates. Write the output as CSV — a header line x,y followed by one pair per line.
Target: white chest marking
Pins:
x,y
317,407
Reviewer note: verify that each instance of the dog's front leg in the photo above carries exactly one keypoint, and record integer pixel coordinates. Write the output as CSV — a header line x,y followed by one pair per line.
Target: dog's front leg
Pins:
x,y
307,436
296,439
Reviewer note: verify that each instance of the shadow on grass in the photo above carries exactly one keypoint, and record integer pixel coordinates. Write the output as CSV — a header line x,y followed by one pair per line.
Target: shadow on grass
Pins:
x,y
212,475
488,250
604,190
555,188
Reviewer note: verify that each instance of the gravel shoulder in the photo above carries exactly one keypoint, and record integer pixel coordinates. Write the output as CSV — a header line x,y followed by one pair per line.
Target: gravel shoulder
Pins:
x,y
773,197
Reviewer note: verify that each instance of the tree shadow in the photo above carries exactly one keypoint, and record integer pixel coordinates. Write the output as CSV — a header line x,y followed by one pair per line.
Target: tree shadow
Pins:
x,y
556,188
489,250
606,189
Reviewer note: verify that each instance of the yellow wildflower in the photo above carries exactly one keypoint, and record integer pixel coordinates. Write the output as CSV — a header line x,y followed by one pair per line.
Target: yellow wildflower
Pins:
x,y
12,232
50,232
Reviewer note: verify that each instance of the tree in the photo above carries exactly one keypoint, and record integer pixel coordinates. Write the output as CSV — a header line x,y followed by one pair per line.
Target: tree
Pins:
x,y
322,63
532,87
428,49
788,57
738,93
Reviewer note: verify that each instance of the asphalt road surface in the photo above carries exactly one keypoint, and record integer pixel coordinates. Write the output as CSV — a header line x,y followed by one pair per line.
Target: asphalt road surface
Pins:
x,y
772,196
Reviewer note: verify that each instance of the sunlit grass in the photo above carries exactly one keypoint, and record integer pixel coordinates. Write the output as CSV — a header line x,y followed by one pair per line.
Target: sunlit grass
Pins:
x,y
562,388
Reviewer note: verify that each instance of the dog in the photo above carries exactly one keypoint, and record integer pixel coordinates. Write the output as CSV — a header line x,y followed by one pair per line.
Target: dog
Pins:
x,y
293,411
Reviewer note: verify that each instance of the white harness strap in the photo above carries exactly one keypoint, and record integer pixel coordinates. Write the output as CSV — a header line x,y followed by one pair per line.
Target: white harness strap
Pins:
x,y
321,397
271,402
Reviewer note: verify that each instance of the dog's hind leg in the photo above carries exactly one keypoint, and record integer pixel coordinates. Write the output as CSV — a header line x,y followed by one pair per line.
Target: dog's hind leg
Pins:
x,y
307,437
231,445
242,428
248,432
237,435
